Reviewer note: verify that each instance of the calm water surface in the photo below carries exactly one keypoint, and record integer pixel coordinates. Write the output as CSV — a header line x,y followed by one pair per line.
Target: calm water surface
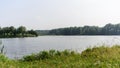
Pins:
x,y
18,47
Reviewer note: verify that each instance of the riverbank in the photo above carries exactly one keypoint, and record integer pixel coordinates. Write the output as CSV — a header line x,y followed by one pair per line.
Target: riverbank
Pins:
x,y
97,57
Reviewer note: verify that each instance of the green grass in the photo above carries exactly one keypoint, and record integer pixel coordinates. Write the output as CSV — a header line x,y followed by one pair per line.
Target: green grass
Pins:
x,y
97,57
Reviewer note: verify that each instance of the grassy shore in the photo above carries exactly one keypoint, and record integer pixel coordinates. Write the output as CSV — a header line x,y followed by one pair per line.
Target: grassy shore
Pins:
x,y
97,57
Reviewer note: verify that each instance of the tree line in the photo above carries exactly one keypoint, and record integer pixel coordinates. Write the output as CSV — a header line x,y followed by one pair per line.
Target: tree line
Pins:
x,y
16,32
108,29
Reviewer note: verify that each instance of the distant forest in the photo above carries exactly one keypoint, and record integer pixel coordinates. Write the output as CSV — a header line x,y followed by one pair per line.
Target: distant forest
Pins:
x,y
108,29
21,31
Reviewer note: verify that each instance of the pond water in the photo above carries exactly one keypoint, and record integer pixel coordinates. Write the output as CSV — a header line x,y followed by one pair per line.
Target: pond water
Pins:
x,y
18,47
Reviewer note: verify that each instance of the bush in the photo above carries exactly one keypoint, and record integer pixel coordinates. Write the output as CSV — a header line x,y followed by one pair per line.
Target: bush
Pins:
x,y
3,58
48,55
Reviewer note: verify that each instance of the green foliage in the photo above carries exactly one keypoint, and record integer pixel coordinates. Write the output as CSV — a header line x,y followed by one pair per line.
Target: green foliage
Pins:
x,y
96,57
108,29
47,55
21,31
3,58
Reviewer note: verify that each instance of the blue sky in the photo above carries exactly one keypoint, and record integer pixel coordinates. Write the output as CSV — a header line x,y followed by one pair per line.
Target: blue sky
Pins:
x,y
48,14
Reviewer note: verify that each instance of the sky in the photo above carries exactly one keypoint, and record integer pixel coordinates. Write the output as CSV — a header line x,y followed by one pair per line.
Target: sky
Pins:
x,y
50,14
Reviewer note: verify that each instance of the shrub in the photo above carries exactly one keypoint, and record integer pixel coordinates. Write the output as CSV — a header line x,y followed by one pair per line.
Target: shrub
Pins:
x,y
48,55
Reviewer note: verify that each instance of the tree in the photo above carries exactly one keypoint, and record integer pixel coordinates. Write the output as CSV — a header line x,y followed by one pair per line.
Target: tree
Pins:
x,y
21,30
109,29
12,31
33,32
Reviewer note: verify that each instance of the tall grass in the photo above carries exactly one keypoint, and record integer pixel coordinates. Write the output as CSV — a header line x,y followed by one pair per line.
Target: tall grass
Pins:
x,y
51,54
1,47
97,57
